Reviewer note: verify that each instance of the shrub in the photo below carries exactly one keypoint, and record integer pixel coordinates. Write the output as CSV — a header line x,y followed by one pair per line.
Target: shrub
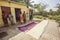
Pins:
x,y
56,17
50,17
38,16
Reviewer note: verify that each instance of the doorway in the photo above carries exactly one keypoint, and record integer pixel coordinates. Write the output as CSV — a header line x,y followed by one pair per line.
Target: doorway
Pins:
x,y
5,12
17,11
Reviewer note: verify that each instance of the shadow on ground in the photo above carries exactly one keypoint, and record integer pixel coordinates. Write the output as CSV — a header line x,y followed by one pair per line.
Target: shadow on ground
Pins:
x,y
3,34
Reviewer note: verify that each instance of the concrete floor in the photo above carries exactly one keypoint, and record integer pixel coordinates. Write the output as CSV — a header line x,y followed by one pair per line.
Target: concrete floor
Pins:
x,y
32,34
10,31
51,31
59,30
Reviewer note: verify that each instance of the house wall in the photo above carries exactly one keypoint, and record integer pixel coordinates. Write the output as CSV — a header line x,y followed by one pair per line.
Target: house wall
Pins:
x,y
12,6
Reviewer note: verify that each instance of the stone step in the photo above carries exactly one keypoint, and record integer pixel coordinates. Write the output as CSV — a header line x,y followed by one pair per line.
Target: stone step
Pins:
x,y
37,31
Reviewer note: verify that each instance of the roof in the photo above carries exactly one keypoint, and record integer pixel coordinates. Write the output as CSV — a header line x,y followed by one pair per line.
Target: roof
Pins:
x,y
33,9
14,2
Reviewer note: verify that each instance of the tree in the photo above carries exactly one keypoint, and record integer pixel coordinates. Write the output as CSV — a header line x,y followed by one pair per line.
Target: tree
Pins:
x,y
50,11
28,3
37,6
53,13
40,8
58,6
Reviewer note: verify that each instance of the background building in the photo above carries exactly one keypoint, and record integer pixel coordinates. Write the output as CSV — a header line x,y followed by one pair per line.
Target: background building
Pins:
x,y
13,7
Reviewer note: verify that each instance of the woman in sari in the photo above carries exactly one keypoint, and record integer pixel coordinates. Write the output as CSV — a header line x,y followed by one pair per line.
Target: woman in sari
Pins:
x,y
21,18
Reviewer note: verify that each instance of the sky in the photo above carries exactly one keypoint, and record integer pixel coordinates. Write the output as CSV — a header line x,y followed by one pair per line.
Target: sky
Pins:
x,y
51,4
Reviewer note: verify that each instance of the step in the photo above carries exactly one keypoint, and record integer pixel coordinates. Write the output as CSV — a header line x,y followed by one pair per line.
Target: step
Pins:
x,y
38,29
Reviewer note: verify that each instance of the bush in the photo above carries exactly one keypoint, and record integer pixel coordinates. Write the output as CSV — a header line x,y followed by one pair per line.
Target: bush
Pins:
x,y
38,16
50,17
56,17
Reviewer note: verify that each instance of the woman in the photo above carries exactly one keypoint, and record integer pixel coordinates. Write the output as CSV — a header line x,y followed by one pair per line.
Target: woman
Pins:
x,y
4,17
24,16
21,18
11,18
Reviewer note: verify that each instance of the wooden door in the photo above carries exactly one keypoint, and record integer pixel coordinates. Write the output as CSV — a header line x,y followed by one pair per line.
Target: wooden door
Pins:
x,y
5,12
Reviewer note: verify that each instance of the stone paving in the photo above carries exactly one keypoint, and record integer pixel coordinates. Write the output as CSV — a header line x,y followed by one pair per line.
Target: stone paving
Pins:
x,y
23,36
51,31
32,34
9,33
59,29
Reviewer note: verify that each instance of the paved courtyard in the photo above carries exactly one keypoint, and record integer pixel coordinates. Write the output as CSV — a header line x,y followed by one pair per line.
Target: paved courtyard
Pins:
x,y
11,31
51,31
